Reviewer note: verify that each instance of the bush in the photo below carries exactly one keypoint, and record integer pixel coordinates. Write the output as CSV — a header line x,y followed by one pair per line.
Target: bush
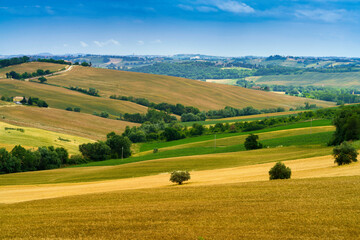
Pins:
x,y
252,143
280,171
345,154
155,150
76,159
68,109
77,109
179,176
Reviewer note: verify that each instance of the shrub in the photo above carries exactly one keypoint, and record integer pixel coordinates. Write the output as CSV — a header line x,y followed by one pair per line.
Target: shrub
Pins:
x,y
179,176
252,143
68,109
76,159
77,109
345,154
155,150
280,171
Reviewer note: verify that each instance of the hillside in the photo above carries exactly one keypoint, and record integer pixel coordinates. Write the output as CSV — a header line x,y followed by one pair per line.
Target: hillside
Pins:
x,y
158,88
56,120
58,97
31,67
341,80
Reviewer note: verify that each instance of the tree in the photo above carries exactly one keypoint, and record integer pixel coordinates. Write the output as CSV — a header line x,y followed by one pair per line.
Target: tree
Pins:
x,y
42,79
120,146
171,134
68,109
49,158
97,151
347,123
179,176
62,154
280,171
252,143
8,163
345,153
77,109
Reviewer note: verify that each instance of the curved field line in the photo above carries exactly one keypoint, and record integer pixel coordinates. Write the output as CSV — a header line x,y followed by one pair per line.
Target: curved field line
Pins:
x,y
302,168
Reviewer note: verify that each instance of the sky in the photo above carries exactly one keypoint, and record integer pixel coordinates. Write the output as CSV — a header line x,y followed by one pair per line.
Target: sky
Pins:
x,y
167,27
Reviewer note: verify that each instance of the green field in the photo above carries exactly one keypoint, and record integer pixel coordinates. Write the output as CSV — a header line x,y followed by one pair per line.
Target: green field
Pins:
x,y
340,80
32,137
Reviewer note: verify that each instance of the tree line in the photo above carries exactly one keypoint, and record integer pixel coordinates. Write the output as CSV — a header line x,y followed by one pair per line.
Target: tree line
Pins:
x,y
13,61
90,91
31,101
39,72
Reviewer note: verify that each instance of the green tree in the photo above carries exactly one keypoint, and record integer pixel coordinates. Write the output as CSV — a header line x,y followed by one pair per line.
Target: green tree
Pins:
x,y
280,171
120,146
8,163
49,158
347,123
42,79
62,154
252,143
97,151
345,153
179,176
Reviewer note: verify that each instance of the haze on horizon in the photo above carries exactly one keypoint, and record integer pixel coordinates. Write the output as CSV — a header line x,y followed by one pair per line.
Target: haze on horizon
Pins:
x,y
160,27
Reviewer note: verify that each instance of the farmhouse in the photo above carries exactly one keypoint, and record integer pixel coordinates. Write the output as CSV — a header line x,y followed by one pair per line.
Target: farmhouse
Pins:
x,y
18,100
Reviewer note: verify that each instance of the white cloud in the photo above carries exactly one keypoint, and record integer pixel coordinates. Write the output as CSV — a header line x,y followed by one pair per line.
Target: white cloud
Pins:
x,y
233,6
84,44
140,42
157,41
206,9
110,41
321,14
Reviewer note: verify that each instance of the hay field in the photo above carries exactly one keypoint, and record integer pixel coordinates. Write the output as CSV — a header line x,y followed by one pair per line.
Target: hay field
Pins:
x,y
340,80
321,208
32,138
56,120
58,97
159,88
31,67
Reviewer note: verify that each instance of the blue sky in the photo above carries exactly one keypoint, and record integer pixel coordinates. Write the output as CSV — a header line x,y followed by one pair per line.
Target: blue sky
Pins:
x,y
165,27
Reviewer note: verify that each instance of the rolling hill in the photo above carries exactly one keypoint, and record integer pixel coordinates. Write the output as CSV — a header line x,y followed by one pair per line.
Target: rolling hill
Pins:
x,y
31,67
158,88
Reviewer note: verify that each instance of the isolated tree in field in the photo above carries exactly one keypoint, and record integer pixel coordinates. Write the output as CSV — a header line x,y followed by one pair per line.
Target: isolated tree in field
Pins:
x,y
251,142
345,154
280,171
179,176
42,79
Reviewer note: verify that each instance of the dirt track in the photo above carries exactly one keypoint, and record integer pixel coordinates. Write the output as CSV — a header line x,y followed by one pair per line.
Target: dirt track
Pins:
x,y
302,168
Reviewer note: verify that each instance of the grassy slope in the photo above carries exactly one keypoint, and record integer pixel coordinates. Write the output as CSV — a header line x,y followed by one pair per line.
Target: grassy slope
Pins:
x,y
326,208
31,67
349,79
158,88
32,137
78,124
58,97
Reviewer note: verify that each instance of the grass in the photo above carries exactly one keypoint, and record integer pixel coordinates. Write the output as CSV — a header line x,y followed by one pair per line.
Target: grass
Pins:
x,y
152,145
159,88
326,208
201,149
32,137
146,168
341,80
56,120
62,98
30,68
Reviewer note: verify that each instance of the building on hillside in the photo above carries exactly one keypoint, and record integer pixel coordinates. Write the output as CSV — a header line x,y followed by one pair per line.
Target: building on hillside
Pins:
x,y
18,100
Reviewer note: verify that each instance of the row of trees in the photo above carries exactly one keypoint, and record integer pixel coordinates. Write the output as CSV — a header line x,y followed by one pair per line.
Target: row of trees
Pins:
x,y
31,101
51,60
22,160
177,109
152,116
25,75
90,91
13,61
